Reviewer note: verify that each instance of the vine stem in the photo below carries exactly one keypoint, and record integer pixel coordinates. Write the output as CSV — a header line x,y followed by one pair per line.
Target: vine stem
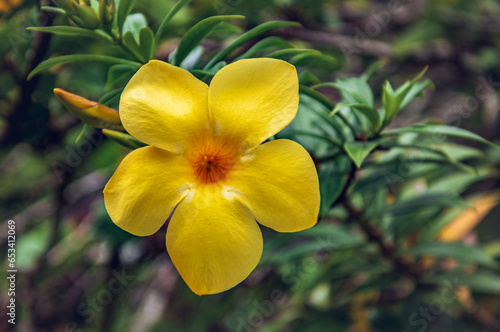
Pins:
x,y
15,130
387,249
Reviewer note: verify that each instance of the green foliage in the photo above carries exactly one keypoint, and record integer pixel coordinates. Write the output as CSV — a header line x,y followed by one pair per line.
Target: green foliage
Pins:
x,y
394,101
265,44
440,131
389,190
333,178
196,34
458,251
123,139
255,32
124,9
358,151
133,24
47,64
74,31
174,10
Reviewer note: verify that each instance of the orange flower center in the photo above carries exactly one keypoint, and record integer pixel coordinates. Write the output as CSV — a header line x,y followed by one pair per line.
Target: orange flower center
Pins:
x,y
213,162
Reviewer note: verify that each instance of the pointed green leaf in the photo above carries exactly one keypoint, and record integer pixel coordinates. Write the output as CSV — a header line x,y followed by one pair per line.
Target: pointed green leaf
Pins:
x,y
79,58
306,58
373,68
197,33
394,101
84,130
481,281
293,133
317,96
422,201
390,175
193,58
142,46
74,31
110,97
358,150
336,232
367,111
146,42
332,180
307,78
416,90
175,8
440,130
227,28
485,282
255,32
389,102
333,122
131,44
458,251
201,74
370,113
284,53
53,10
124,8
119,75
264,45
432,150
123,139
354,90
134,23
458,184
319,238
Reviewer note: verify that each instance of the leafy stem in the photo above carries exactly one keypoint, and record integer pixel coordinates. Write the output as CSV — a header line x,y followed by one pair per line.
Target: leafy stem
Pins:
x,y
388,250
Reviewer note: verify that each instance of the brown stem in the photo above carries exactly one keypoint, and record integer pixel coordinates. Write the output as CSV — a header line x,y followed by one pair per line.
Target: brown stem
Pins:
x,y
17,118
387,249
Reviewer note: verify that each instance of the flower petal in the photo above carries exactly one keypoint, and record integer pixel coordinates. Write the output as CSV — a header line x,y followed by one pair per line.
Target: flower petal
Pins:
x,y
144,190
253,99
163,105
279,184
213,240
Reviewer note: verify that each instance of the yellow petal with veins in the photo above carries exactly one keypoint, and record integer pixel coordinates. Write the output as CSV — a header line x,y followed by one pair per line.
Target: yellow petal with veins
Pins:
x,y
164,106
213,240
279,184
144,190
253,99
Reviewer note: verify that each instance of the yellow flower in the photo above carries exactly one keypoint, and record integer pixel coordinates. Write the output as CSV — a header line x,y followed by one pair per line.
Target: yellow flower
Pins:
x,y
207,161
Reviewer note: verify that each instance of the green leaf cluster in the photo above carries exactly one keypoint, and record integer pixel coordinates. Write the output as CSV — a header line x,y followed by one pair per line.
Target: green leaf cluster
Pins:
x,y
387,193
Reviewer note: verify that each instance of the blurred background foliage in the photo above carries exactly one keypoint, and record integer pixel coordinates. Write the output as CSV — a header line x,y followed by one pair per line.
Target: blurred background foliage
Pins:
x,y
408,238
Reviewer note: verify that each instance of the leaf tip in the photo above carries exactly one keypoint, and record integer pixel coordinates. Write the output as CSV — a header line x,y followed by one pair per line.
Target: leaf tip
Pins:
x,y
31,74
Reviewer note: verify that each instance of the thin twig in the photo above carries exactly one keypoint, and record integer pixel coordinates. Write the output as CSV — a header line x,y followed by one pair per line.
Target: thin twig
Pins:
x,y
18,115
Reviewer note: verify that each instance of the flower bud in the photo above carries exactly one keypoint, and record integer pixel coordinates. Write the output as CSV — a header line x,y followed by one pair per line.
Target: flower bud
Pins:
x,y
90,112
79,12
106,12
87,15
67,5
